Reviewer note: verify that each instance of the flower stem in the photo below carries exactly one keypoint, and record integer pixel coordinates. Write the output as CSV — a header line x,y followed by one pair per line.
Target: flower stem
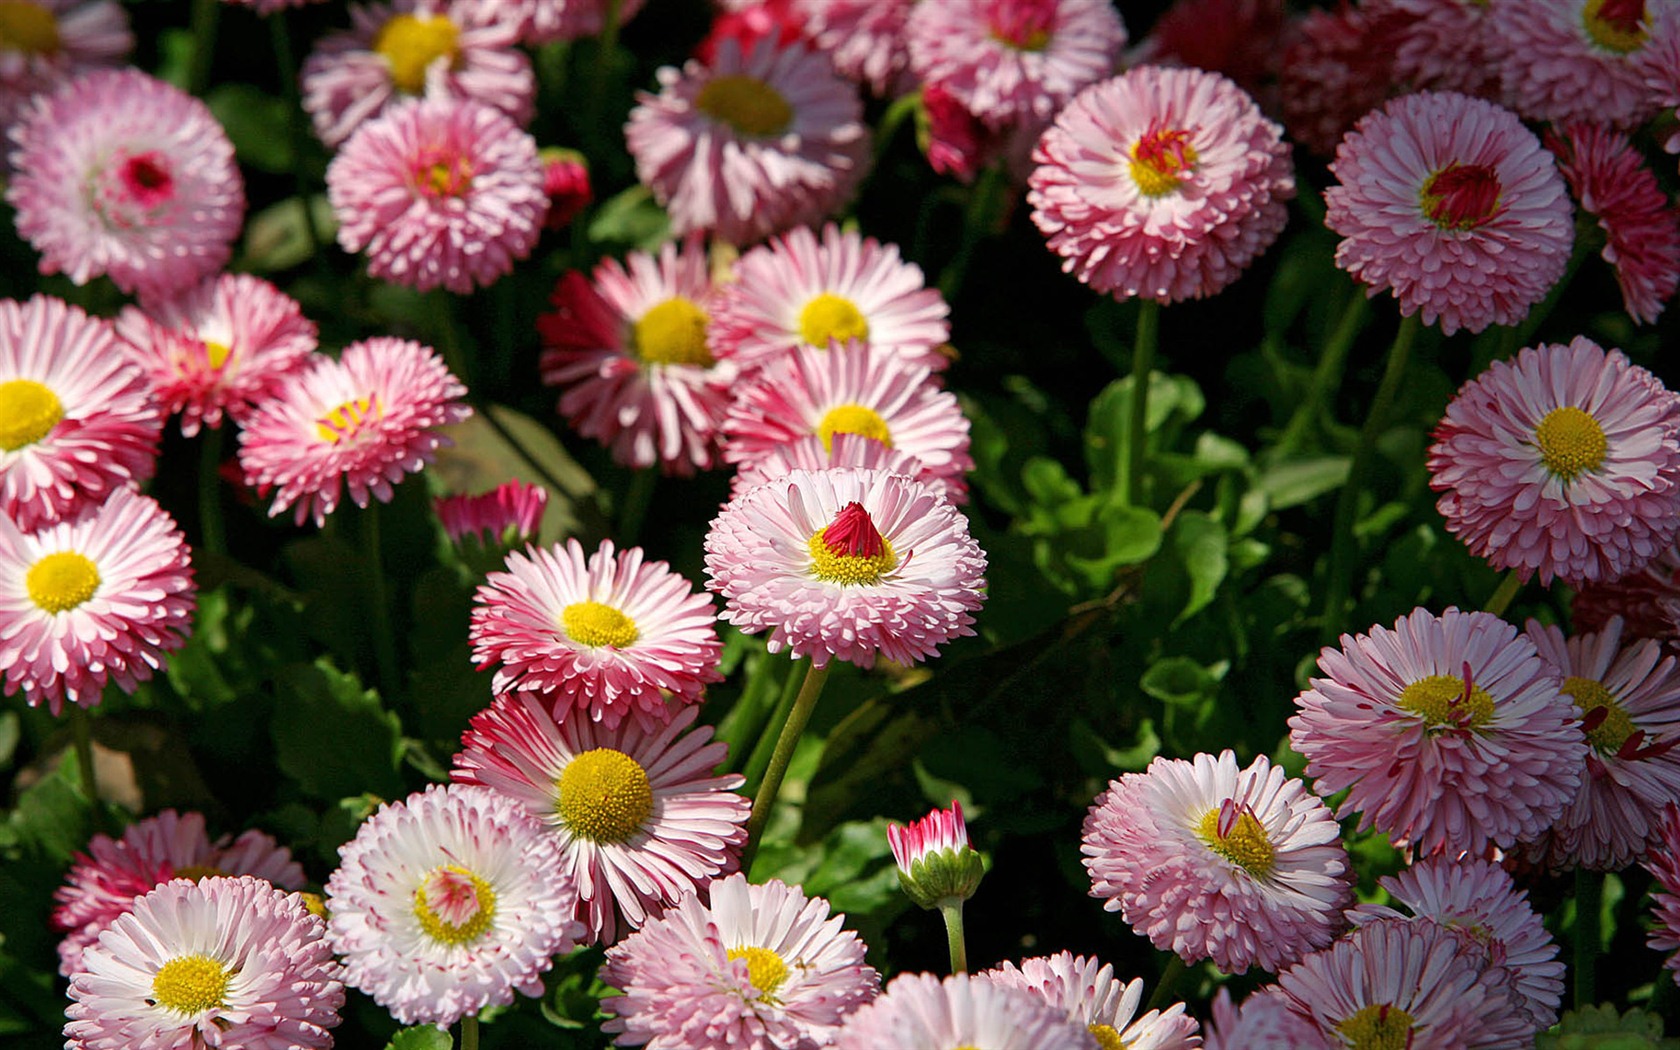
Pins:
x,y
1163,994
786,742
206,15
893,119
1500,599
286,61
469,1032
759,760
1326,377
951,911
1339,578
1129,486
978,221
384,639
211,535
81,734
633,511
1589,897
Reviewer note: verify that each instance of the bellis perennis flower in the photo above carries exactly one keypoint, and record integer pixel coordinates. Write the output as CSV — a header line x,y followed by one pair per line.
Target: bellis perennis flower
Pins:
x,y
936,865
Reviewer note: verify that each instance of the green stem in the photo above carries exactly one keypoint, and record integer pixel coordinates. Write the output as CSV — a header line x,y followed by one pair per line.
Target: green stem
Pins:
x,y
1130,483
211,533
1326,377
81,733
1500,599
633,511
206,15
894,118
607,47
1589,898
786,742
977,222
469,1032
1339,579
1163,994
759,760
384,639
951,910
447,335
296,129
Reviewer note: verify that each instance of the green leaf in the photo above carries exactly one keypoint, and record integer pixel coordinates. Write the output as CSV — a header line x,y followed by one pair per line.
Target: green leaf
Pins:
x,y
1181,680
255,123
631,218
421,1037
332,736
52,819
1200,542
1601,1027
277,239
1299,480
499,445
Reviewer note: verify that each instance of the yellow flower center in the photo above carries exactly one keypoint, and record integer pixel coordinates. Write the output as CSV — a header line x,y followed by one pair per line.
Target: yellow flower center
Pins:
x,y
853,419
673,333
1107,1037
1242,840
444,178
344,421
198,871
410,44
605,795
832,317
1460,196
28,27
60,582
1376,1027
1442,702
850,569
313,903
1615,25
1570,441
190,984
28,412
454,905
765,969
216,354
1608,731
747,104
591,623
1160,159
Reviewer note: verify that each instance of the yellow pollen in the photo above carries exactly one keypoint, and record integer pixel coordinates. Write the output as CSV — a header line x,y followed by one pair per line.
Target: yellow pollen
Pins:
x,y
345,420
1570,441
190,984
28,27
850,569
60,582
446,914
673,333
765,969
196,872
1438,697
1160,159
747,104
216,354
28,412
591,623
445,179
1246,846
853,419
1609,735
314,903
832,317
1376,1027
1623,31
1107,1037
605,795
410,44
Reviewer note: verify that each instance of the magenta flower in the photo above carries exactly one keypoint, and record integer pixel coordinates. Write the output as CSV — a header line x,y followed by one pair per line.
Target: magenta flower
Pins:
x,y
1572,60
506,516
936,865
1664,864
963,1010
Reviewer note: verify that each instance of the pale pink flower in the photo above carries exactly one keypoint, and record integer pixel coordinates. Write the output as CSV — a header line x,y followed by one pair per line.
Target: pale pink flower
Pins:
x,y
1452,204
506,516
1087,991
812,453
1572,60
1563,462
1664,863
548,21
963,1010
1648,601
936,865
864,39
1267,1020
47,42
1335,69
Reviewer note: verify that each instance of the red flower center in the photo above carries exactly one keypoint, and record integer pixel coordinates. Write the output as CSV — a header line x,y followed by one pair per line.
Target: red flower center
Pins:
x,y
1023,24
145,179
1461,196
853,532
440,175
1160,158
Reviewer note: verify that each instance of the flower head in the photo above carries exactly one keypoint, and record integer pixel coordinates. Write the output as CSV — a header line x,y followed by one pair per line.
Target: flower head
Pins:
x,y
1664,864
810,452
506,516
602,636
865,39
936,865
1648,601
1161,184
846,564
1243,39
638,817
121,174
1244,867
1439,45
1569,60
1334,71
760,965
1267,1020
548,21
1449,732
439,193
566,184
448,902
1452,204
1563,462
362,423
216,962
95,598
963,1010
76,423
47,42
1089,994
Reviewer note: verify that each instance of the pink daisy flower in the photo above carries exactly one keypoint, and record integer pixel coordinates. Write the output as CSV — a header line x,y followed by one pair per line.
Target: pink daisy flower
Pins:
x,y
448,902
853,389
47,42
1641,228
799,291
1439,45
547,21
1563,462
1014,61
757,142
506,516
1397,983
455,49
846,564
121,174
439,193
1572,60
1450,732
1240,38
760,965
638,817
1664,863
1333,72
361,423
1267,1020
811,453
219,962
629,354
99,597
224,345
603,636
864,39
1453,205
1658,62
1161,183
1244,867
1629,702
1479,898
936,865
1648,601
963,1010
103,882
76,422
1088,993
